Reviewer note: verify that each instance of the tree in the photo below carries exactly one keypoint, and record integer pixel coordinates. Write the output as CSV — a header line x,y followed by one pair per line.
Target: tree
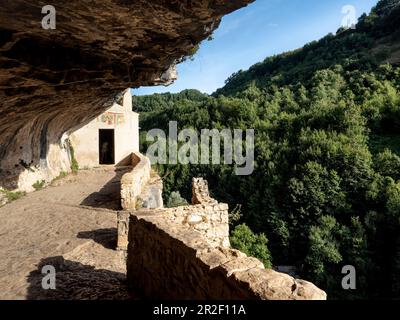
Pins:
x,y
388,164
325,189
243,239
323,250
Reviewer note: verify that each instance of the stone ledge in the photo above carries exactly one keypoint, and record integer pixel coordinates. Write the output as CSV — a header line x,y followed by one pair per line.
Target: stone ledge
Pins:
x,y
164,255
133,182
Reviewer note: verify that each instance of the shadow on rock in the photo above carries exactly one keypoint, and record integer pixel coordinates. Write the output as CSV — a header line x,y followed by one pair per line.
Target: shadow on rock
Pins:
x,y
106,237
75,281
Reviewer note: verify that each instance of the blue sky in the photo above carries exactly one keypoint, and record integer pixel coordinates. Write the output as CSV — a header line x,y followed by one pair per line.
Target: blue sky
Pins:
x,y
251,34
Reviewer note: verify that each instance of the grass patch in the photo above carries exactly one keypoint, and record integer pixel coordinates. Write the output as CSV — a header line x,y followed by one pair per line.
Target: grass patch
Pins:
x,y
38,185
12,196
74,166
62,175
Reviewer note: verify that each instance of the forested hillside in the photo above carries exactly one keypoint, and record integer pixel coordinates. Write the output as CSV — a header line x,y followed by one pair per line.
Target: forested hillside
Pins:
x,y
326,186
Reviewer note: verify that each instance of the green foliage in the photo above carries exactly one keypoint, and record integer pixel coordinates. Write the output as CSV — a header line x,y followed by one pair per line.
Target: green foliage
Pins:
x,y
74,162
388,164
380,142
243,239
74,166
62,175
348,48
12,196
192,53
235,215
165,100
138,203
38,185
323,247
326,187
175,200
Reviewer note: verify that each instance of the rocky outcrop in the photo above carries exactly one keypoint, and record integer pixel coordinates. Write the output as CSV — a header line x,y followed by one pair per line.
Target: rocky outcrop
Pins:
x,y
53,81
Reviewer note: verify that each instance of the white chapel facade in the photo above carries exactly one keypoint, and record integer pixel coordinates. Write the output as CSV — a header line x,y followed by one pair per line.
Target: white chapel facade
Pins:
x,y
109,139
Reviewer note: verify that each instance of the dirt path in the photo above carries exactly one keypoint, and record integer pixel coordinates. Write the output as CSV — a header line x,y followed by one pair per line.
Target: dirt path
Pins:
x,y
70,225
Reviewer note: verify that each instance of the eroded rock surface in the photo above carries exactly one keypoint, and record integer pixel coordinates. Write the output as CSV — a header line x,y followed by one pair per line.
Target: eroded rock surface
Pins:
x,y
55,80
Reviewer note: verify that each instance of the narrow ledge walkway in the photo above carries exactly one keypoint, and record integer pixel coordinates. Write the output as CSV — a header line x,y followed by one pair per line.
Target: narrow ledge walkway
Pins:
x,y
70,225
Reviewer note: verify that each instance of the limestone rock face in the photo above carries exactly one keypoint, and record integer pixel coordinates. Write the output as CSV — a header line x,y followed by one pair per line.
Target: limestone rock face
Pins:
x,y
53,81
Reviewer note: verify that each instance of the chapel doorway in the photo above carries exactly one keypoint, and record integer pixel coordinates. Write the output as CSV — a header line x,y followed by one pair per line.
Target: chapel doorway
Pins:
x,y
106,146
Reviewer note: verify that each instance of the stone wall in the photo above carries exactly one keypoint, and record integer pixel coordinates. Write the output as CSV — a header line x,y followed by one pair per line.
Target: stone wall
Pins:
x,y
206,215
200,192
133,182
184,253
209,220
167,260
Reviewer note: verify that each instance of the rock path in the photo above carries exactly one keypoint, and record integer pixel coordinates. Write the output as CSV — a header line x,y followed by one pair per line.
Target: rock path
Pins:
x,y
70,225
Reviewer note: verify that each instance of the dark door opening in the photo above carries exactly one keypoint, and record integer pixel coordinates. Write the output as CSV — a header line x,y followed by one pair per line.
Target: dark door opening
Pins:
x,y
106,146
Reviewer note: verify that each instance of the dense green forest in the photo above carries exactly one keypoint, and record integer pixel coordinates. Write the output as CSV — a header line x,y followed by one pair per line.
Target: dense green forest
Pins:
x,y
325,191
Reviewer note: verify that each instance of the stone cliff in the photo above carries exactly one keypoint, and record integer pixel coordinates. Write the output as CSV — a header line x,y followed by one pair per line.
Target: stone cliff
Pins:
x,y
53,81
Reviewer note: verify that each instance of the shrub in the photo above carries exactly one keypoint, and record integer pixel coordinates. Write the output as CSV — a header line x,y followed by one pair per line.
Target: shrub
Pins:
x,y
39,185
74,162
62,175
11,196
139,203
243,239
175,200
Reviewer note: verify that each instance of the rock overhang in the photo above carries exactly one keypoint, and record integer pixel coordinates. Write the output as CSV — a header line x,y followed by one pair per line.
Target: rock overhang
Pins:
x,y
55,80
